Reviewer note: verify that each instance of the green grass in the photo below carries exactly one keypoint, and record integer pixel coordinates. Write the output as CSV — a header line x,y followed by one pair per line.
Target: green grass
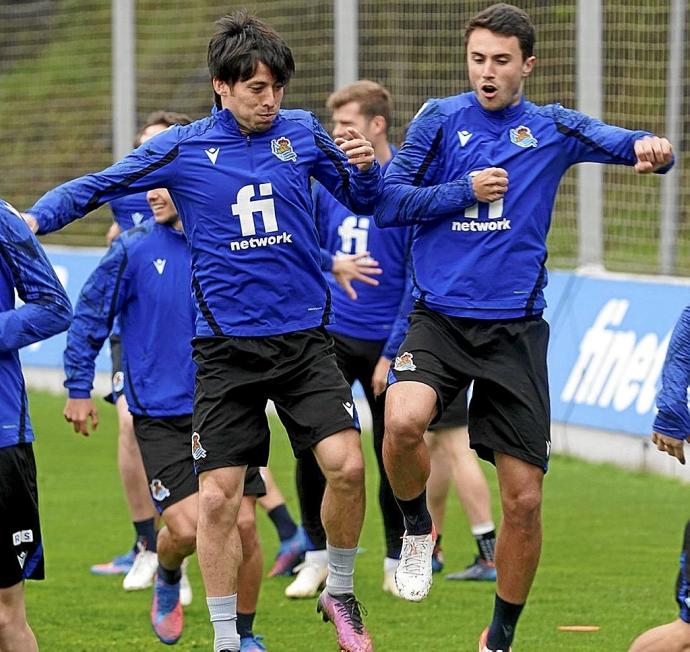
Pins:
x,y
611,543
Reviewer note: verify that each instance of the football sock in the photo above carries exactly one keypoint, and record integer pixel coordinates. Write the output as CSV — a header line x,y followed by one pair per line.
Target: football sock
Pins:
x,y
416,514
146,535
245,624
223,611
283,522
502,628
341,570
390,564
485,536
169,576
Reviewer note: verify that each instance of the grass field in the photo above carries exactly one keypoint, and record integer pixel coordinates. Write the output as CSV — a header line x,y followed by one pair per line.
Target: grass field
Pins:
x,y
611,545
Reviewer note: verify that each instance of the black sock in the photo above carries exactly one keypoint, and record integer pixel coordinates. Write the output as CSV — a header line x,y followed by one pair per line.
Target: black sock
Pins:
x,y
487,545
416,514
245,624
146,535
283,521
502,628
169,576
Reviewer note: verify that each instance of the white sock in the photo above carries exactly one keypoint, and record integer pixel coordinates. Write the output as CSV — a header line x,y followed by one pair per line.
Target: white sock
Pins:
x,y
390,564
341,570
316,558
223,611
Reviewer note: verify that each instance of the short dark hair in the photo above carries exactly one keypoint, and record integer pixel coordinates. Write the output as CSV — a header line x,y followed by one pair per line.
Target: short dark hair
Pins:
x,y
506,20
164,118
242,41
373,99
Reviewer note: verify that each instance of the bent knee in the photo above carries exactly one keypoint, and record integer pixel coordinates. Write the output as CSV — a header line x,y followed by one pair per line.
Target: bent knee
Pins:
x,y
522,507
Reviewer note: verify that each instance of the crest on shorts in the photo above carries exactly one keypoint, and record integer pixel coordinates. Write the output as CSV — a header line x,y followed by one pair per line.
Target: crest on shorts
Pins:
x,y
522,137
118,381
158,490
198,451
282,148
404,362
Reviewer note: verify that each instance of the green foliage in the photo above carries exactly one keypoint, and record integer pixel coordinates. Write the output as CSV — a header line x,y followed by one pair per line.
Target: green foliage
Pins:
x,y
611,544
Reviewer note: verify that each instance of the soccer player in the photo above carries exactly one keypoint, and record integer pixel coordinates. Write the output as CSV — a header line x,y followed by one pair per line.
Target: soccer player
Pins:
x,y
671,430
477,175
145,281
240,180
362,327
139,563
46,311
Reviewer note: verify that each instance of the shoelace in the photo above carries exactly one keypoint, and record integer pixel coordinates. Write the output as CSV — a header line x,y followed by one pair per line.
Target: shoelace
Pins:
x,y
414,554
352,610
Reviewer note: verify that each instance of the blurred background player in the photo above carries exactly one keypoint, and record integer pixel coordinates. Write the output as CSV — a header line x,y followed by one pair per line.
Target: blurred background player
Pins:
x,y
45,312
362,326
139,563
145,279
671,430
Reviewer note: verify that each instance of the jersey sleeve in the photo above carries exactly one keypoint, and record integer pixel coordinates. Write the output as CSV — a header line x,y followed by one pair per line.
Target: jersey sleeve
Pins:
x,y
99,302
152,165
359,191
589,140
46,310
673,418
411,193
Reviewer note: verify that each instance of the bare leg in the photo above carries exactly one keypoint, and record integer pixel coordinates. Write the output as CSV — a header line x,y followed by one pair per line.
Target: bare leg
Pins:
x,y
519,539
251,568
131,466
177,539
672,637
439,478
273,497
15,633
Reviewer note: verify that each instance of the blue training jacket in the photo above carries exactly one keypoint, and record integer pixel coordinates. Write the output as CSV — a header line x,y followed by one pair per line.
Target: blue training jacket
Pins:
x,y
246,206
372,315
673,418
46,311
144,279
480,260
131,210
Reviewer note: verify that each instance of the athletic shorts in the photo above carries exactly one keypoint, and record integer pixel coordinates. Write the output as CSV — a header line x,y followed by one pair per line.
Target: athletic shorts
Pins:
x,y
21,547
236,376
118,377
509,411
455,415
165,449
683,581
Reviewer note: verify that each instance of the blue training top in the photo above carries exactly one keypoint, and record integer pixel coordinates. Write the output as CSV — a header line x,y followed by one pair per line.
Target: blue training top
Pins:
x,y
46,311
246,206
481,260
131,210
145,279
673,418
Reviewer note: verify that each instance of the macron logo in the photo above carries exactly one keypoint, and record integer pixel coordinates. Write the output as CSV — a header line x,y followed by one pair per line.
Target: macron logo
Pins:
x,y
464,137
159,264
350,409
212,153
21,559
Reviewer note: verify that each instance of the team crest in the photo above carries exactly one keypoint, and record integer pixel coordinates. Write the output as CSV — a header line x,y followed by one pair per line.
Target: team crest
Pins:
x,y
404,362
198,451
282,148
118,381
522,137
158,490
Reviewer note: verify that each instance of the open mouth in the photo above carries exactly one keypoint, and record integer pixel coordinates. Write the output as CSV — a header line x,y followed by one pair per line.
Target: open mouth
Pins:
x,y
489,90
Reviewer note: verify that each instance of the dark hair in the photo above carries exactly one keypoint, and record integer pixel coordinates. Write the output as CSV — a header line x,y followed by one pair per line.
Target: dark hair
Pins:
x,y
164,118
373,99
242,41
506,20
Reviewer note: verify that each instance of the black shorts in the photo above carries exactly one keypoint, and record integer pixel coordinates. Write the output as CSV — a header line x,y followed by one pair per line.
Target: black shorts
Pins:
x,y
21,547
236,376
118,377
683,581
509,411
455,415
169,466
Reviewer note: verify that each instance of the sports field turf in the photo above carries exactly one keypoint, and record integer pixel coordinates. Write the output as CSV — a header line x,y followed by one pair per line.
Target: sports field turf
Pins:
x,y
610,557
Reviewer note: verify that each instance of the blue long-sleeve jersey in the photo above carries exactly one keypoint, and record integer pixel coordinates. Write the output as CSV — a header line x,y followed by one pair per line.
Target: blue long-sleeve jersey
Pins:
x,y
24,267
131,210
372,315
481,260
145,279
673,418
246,206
